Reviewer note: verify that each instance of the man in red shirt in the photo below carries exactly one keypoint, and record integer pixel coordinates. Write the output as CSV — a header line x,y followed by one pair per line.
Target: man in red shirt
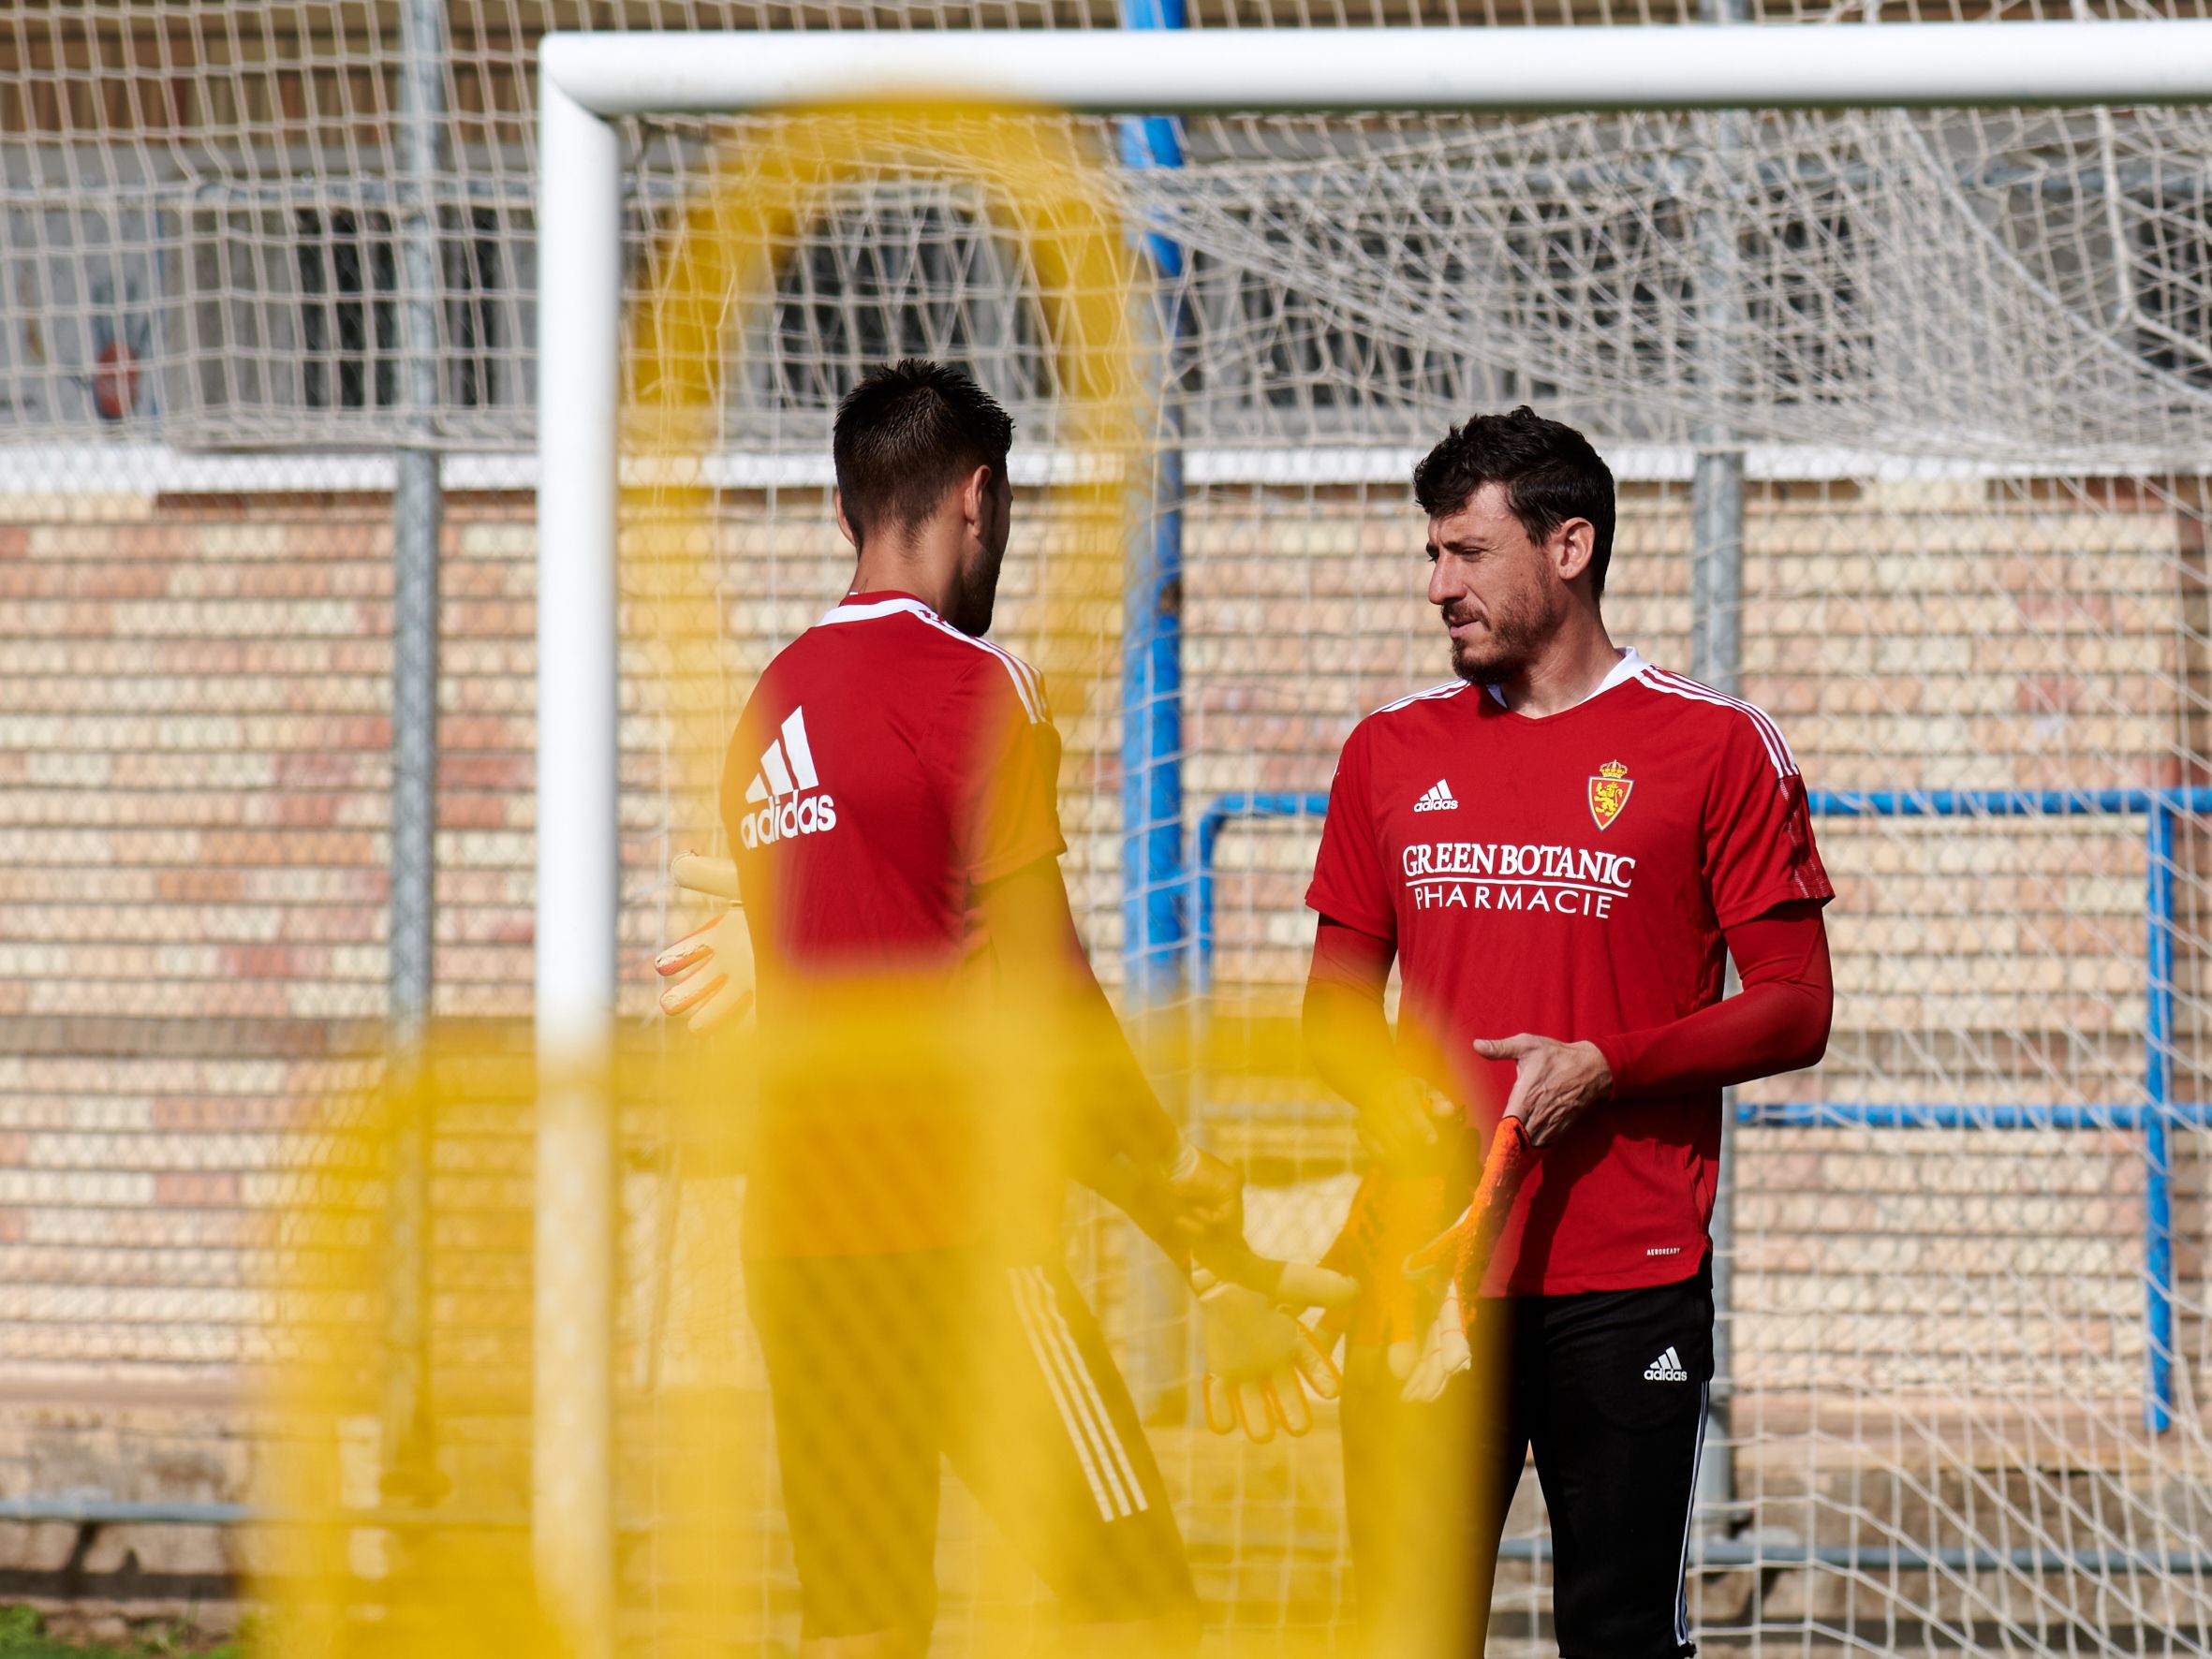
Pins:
x,y
1560,847
937,1056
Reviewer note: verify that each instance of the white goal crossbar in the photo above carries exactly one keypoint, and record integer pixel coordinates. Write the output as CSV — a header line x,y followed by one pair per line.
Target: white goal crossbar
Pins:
x,y
588,81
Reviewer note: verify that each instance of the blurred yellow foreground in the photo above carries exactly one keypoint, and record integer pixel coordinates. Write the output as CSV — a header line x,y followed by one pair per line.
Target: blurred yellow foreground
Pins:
x,y
400,1470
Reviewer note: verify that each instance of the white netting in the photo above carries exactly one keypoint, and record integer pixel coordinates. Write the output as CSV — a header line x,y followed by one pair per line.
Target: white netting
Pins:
x,y
1968,357
1963,371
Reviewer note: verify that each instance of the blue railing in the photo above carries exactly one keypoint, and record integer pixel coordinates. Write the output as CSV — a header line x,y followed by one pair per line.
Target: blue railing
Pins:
x,y
2155,1115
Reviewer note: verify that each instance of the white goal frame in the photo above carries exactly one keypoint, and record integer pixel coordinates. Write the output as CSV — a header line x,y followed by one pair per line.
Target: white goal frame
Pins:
x,y
587,82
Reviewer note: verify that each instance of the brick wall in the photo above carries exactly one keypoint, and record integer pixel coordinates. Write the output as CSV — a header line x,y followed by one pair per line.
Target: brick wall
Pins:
x,y
192,774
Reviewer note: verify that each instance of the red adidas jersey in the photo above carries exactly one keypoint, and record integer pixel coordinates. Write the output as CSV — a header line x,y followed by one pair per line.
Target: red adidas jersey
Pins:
x,y
886,766
1569,876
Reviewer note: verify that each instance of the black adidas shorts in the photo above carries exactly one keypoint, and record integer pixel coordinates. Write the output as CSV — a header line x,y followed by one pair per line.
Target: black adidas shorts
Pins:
x,y
882,1368
1610,1390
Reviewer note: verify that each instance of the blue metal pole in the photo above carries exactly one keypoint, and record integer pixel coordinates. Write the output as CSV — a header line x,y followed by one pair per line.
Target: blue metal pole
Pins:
x,y
1153,875
2158,1194
1153,910
1154,140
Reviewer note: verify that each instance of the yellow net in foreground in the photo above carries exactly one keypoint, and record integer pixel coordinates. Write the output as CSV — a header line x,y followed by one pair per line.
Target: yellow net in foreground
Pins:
x,y
999,1437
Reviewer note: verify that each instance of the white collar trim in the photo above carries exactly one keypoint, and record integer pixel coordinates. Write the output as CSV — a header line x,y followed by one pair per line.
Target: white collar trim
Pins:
x,y
1626,669
847,612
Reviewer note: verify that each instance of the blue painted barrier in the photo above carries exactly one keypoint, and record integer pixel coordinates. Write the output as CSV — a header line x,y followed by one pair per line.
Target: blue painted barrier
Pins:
x,y
2154,1116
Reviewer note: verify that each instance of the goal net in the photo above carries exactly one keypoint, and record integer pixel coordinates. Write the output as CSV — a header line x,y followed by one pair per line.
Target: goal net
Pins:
x,y
1910,413
1941,375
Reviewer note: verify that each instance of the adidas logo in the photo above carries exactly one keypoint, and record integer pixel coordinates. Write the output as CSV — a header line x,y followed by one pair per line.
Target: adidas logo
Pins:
x,y
1667,1368
1436,798
780,790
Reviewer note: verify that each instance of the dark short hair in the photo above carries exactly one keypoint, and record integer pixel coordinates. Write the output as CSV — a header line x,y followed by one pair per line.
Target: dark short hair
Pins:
x,y
1549,471
905,434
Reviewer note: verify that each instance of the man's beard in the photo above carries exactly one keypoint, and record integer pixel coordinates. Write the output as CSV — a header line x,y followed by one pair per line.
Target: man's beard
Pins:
x,y
1505,650
974,597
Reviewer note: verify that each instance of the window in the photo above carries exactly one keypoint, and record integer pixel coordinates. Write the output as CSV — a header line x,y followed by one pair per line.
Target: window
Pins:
x,y
351,294
291,326
2172,273
901,270
1802,305
1606,295
348,322
1317,325
481,349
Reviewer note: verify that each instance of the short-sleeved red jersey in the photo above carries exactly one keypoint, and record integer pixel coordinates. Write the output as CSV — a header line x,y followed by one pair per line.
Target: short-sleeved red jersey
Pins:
x,y
1570,875
886,766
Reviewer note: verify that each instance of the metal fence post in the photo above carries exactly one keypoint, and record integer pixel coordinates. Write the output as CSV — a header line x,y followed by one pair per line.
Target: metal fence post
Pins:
x,y
1715,658
417,518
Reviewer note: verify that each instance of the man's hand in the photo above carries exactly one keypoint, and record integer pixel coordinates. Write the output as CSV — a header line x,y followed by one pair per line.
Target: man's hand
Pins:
x,y
1554,1084
1400,1125
1207,1197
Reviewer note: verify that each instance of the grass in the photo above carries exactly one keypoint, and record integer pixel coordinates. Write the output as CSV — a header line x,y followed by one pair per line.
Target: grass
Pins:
x,y
23,1635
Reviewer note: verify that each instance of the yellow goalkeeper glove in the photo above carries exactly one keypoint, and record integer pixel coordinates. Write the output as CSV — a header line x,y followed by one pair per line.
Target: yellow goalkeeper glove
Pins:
x,y
1262,1359
709,970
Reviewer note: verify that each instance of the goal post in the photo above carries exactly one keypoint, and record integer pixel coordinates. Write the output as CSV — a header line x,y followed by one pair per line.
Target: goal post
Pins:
x,y
590,83
1522,70
572,1465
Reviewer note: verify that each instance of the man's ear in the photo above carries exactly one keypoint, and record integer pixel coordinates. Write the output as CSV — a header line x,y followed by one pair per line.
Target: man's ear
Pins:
x,y
1572,547
975,500
844,525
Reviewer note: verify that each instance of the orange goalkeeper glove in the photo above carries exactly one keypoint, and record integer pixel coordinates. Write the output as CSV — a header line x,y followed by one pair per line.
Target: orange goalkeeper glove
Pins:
x,y
1463,1251
1390,1217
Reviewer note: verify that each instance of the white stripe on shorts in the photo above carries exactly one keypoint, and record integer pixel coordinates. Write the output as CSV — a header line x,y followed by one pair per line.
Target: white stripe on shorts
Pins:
x,y
1090,1385
1111,1505
1689,1520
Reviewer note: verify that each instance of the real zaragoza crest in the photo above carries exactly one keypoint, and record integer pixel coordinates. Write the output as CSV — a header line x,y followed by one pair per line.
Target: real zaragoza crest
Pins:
x,y
1609,793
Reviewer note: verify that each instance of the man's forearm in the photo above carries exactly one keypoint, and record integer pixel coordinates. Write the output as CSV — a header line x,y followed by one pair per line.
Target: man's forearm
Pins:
x,y
1144,1201
1762,1031
1046,972
1778,1022
1349,1039
1347,1035
1127,1116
